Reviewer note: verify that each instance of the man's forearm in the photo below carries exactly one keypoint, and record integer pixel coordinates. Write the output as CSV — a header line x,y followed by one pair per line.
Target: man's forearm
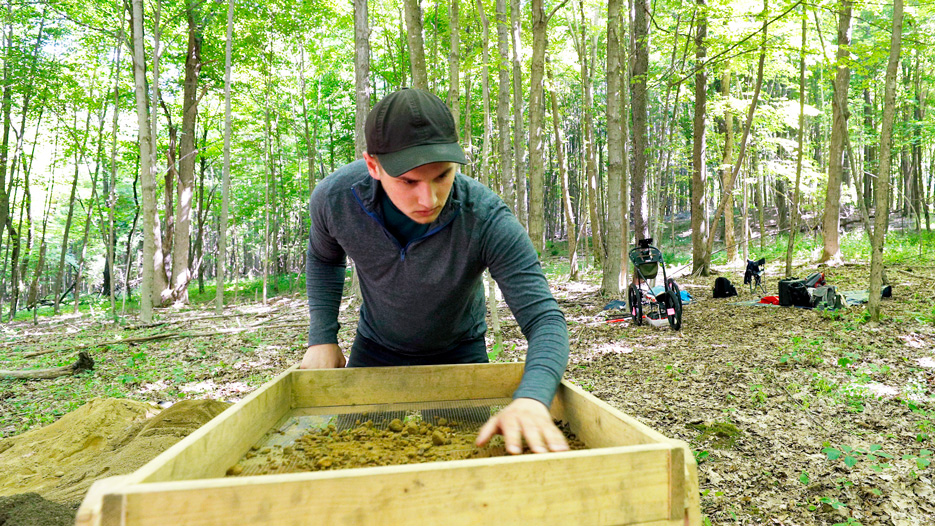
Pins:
x,y
324,284
546,359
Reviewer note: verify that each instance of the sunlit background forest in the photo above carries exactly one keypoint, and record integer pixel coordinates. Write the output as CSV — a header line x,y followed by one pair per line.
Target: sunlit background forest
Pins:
x,y
672,114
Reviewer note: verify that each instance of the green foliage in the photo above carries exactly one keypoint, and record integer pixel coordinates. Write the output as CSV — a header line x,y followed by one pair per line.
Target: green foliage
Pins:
x,y
851,456
802,351
496,350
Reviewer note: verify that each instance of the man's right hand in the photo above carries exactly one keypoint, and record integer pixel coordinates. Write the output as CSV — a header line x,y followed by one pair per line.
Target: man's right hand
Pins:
x,y
324,356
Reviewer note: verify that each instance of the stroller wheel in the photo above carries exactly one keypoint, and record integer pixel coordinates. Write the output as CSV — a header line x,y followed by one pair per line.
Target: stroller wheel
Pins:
x,y
635,300
674,307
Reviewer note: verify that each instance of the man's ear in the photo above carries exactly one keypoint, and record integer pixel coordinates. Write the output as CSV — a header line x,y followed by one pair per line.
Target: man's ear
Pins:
x,y
373,166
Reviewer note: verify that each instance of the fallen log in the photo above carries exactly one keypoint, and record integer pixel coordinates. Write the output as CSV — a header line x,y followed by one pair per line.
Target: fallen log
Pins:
x,y
84,363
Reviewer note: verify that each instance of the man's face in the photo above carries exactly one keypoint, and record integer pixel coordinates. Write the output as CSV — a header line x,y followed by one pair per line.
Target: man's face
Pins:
x,y
420,193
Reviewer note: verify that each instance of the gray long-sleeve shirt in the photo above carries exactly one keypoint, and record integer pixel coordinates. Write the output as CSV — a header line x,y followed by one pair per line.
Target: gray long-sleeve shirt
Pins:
x,y
427,297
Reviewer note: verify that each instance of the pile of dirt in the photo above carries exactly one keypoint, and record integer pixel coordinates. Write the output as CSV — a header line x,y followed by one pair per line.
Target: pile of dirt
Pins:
x,y
29,509
37,461
103,438
397,443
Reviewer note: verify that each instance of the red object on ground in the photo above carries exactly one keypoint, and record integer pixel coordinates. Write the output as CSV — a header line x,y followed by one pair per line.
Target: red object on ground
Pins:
x,y
772,300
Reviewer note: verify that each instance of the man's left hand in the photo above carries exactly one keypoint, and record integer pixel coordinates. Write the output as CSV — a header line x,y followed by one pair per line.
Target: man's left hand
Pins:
x,y
524,418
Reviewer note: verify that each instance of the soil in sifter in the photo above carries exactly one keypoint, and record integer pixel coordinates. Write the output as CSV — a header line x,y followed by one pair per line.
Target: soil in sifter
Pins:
x,y
401,441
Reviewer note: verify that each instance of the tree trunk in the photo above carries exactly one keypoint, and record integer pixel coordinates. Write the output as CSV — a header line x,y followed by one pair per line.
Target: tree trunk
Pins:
x,y
181,273
831,221
268,179
519,153
90,206
699,221
19,279
226,170
728,188
918,188
276,177
112,186
454,61
638,190
485,175
420,78
60,273
801,153
87,228
6,102
362,73
781,191
587,148
540,24
870,150
162,260
726,163
32,299
131,254
201,216
881,214
468,138
161,253
311,145
503,107
611,278
147,175
571,230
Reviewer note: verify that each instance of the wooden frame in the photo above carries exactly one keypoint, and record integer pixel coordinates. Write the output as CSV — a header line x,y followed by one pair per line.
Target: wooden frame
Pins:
x,y
630,475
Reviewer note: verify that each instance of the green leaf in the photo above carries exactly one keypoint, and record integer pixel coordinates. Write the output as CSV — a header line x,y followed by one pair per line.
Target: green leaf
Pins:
x,y
803,477
833,454
923,463
850,460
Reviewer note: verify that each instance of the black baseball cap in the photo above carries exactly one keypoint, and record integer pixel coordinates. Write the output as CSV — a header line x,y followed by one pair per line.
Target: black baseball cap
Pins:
x,y
409,128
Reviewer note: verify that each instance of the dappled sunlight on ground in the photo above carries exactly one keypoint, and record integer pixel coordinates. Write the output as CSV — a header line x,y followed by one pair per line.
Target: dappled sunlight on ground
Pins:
x,y
210,389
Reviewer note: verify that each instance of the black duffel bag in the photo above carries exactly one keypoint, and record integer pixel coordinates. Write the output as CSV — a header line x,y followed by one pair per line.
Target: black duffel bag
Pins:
x,y
793,293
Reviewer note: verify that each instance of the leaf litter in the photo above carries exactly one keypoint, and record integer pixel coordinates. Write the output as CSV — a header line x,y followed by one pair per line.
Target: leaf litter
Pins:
x,y
792,383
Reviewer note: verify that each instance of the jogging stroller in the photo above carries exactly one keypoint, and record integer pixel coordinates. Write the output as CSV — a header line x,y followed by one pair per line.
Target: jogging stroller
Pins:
x,y
753,276
668,305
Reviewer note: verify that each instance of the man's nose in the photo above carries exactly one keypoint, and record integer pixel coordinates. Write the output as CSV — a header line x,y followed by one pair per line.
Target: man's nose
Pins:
x,y
427,195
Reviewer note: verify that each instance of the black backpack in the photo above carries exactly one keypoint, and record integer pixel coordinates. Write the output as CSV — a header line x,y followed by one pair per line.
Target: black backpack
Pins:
x,y
794,293
723,288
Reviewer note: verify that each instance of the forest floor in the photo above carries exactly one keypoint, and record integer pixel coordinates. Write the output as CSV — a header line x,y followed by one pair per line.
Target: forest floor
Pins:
x,y
796,417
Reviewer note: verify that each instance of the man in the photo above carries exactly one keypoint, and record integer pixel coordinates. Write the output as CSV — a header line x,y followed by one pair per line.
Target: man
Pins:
x,y
421,235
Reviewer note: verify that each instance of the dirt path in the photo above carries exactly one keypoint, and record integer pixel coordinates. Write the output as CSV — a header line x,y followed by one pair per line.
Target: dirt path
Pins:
x,y
796,417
